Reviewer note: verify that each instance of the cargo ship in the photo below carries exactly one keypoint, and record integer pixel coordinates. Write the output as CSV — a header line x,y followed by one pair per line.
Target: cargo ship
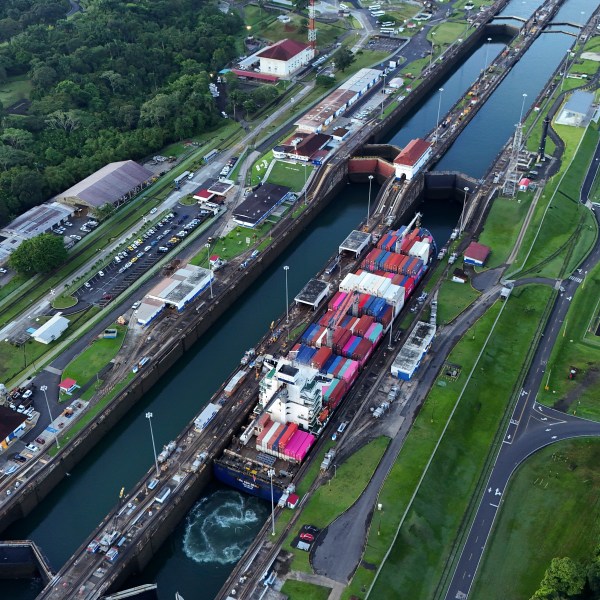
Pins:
x,y
299,392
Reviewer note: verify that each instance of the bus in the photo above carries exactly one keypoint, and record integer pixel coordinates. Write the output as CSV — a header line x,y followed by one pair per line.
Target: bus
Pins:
x,y
208,157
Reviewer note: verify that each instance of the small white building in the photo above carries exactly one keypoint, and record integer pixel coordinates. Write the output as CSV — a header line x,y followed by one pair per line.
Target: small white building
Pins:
x,y
285,58
412,158
51,330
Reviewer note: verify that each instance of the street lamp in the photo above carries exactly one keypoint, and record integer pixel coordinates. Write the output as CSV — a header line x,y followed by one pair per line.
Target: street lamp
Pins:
x,y
466,190
271,472
432,45
287,302
522,109
487,50
437,123
149,416
44,388
383,93
207,246
369,203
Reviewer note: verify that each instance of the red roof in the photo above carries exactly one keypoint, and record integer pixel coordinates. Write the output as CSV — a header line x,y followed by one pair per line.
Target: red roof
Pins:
x,y
477,252
203,194
253,75
525,182
283,50
412,152
214,258
67,384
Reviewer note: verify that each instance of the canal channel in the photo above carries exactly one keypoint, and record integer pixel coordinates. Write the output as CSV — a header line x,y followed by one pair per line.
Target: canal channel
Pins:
x,y
67,515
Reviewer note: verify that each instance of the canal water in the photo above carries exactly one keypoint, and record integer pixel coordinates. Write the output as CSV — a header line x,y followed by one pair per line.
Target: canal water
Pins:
x,y
200,553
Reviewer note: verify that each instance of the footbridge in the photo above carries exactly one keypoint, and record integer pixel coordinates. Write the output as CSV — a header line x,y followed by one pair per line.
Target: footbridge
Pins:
x,y
509,18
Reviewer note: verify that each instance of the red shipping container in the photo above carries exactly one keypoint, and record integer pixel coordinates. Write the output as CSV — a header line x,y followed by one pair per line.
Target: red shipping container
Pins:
x,y
285,438
263,420
363,350
363,324
274,437
386,318
321,357
402,264
363,299
397,280
342,340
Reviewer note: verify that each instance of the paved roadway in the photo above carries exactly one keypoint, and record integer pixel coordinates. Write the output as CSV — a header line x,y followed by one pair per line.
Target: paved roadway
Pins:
x,y
531,427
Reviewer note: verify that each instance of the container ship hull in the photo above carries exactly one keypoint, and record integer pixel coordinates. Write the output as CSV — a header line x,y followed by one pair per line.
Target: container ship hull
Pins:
x,y
242,481
300,392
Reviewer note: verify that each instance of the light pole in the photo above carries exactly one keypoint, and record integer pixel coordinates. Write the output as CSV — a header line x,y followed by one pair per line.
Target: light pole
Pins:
x,y
432,45
44,388
369,202
149,416
287,302
437,123
487,51
383,93
522,109
207,246
271,472
466,190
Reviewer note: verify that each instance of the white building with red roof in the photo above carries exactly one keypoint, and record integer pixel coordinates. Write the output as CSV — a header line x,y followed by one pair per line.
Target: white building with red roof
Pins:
x,y
285,58
412,158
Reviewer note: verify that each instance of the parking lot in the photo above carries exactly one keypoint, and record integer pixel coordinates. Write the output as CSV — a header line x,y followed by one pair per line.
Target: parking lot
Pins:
x,y
139,255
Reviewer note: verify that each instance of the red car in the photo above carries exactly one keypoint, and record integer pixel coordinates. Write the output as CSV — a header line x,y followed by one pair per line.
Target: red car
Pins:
x,y
307,537
40,440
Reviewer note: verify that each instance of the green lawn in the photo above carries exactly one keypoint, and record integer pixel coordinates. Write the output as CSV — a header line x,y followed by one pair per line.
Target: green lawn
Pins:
x,y
578,347
292,175
326,32
94,358
453,298
64,301
299,590
418,556
15,88
447,32
565,233
259,168
502,226
331,500
550,509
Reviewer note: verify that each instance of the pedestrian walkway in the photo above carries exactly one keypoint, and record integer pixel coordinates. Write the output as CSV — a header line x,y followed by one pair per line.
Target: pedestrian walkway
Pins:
x,y
336,587
53,370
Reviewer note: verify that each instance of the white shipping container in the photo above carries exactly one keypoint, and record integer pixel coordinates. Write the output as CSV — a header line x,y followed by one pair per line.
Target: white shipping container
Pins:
x,y
348,283
385,283
322,339
269,435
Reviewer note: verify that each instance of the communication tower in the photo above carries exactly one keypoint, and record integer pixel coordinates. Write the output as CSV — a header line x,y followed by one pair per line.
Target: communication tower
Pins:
x,y
512,170
312,32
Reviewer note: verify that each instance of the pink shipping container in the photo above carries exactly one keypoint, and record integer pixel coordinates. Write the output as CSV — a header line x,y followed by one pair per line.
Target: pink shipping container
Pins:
x,y
337,299
293,443
321,357
351,371
306,446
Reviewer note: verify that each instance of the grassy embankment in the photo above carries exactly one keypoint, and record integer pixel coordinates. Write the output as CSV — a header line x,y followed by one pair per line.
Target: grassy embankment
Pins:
x,y
331,500
432,523
562,231
300,590
13,360
578,346
550,510
84,367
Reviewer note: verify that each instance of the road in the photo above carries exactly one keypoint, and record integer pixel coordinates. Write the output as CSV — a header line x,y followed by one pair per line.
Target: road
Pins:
x,y
531,427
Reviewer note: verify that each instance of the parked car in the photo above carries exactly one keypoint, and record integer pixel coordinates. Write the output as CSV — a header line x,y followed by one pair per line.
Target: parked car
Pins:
x,y
101,273
307,537
32,447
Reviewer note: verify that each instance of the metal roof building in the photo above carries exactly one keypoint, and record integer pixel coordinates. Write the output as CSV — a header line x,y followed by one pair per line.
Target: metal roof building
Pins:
x,y
362,80
313,293
409,358
51,330
182,287
260,204
115,184
356,242
577,110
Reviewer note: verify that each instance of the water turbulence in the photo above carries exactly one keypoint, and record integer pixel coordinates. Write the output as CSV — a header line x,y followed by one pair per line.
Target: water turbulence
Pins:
x,y
221,526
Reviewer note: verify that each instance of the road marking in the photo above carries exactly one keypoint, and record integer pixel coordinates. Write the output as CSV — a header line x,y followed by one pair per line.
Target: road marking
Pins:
x,y
494,505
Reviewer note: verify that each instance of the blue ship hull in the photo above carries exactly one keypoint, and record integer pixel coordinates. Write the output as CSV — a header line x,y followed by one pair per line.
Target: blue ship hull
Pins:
x,y
246,483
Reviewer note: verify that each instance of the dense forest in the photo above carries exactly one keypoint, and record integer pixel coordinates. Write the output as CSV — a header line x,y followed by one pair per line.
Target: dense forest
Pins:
x,y
117,81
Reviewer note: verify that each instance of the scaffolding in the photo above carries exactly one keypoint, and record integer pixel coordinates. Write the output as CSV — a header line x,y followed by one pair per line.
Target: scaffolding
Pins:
x,y
512,172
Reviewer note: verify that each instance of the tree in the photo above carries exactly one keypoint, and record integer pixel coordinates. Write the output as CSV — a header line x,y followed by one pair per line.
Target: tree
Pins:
x,y
563,579
104,211
325,81
40,254
343,59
